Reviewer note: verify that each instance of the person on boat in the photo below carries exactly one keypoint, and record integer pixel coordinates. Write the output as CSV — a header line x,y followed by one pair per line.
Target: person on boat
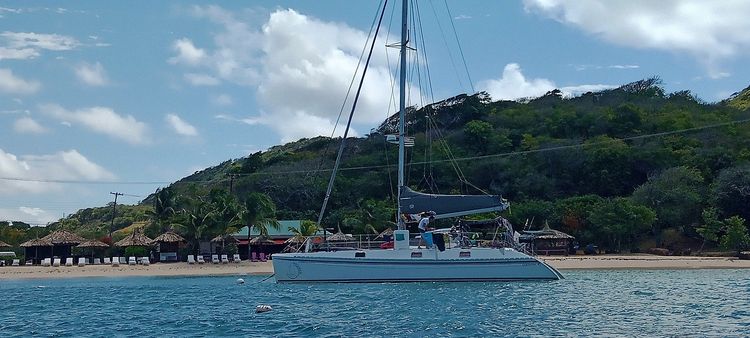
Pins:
x,y
424,226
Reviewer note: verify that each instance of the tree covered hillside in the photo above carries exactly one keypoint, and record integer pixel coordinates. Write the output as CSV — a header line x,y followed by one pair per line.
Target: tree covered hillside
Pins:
x,y
622,168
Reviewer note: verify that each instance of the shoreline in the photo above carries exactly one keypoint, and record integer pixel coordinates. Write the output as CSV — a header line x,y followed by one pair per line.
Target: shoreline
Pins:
x,y
599,262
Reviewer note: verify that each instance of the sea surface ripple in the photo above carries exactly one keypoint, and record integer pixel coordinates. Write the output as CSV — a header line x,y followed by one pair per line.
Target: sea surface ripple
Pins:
x,y
674,303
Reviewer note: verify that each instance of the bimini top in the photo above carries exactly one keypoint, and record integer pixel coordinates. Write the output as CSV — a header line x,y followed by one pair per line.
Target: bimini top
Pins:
x,y
446,206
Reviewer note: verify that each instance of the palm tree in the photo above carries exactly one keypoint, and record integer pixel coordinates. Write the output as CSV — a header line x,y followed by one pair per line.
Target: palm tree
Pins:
x,y
306,229
198,221
227,211
165,208
259,212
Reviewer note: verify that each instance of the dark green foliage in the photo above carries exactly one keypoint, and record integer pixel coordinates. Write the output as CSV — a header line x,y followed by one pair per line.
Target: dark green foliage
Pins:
x,y
737,236
731,191
136,251
618,222
562,160
676,195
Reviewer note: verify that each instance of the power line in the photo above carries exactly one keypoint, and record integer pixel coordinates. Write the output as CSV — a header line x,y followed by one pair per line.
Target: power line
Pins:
x,y
382,166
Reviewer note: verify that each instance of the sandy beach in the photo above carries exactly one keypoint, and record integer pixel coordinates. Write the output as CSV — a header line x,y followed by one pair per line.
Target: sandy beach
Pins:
x,y
266,268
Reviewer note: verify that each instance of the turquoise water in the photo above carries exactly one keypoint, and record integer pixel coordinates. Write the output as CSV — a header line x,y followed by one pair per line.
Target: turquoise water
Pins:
x,y
587,303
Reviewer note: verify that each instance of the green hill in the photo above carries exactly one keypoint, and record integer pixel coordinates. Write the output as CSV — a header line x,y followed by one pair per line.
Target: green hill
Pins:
x,y
554,158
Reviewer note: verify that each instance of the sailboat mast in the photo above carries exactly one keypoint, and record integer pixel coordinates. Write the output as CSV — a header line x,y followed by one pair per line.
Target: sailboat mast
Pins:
x,y
402,107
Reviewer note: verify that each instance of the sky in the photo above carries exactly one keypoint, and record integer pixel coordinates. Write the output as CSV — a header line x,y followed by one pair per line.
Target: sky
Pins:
x,y
104,96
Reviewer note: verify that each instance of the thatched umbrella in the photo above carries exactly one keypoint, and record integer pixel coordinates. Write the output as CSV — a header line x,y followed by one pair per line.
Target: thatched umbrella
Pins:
x,y
169,242
93,245
339,236
62,237
65,240
386,232
137,238
4,245
261,240
36,243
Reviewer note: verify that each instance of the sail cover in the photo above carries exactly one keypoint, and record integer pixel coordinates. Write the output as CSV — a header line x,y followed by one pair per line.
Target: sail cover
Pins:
x,y
446,206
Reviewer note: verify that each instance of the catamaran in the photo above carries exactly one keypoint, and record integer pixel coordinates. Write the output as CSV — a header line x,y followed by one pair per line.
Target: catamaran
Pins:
x,y
460,262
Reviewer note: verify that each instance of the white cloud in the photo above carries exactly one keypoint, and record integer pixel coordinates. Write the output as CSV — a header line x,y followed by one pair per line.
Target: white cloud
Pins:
x,y
513,85
187,53
710,30
301,67
31,215
27,125
201,79
17,53
180,126
102,120
462,17
92,74
12,84
222,100
21,45
28,173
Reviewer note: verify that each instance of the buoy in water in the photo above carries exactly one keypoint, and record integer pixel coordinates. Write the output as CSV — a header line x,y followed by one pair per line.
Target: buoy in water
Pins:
x,y
240,281
263,308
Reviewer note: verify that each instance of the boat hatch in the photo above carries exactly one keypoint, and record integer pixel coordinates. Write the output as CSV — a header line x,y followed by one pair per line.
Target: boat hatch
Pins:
x,y
463,254
359,254
416,255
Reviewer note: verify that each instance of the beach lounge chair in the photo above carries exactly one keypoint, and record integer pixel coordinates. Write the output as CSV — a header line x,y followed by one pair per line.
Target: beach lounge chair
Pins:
x,y
16,262
123,260
46,262
132,261
200,259
107,261
215,259
254,257
69,261
115,261
56,262
96,261
224,259
236,258
81,261
191,259
29,263
262,256
145,261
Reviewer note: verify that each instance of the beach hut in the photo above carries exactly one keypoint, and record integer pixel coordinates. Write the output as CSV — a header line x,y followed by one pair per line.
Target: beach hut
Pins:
x,y
4,245
258,244
135,239
220,242
37,248
62,241
93,245
547,241
339,237
168,246
386,235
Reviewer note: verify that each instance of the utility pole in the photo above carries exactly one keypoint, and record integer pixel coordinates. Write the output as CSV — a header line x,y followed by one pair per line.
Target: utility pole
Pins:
x,y
114,212
231,182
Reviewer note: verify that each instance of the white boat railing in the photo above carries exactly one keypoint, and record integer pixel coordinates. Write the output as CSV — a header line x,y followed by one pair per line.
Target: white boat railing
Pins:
x,y
372,241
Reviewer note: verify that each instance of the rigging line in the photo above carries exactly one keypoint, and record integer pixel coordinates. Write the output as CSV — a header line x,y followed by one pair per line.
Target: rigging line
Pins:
x,y
351,115
351,84
458,42
424,51
447,48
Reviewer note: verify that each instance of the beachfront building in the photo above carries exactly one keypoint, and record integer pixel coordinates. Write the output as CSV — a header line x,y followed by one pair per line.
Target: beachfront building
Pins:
x,y
168,246
547,241
280,237
37,249
275,242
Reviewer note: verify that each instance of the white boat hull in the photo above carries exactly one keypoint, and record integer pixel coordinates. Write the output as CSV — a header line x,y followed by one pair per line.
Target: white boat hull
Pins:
x,y
451,265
